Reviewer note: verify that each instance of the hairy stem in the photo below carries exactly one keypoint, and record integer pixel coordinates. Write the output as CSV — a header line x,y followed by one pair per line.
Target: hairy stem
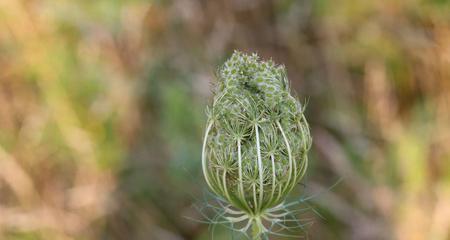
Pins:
x,y
260,169
204,163
256,231
241,195
291,162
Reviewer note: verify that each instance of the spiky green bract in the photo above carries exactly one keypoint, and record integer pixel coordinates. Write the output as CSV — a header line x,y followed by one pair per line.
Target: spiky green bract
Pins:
x,y
256,141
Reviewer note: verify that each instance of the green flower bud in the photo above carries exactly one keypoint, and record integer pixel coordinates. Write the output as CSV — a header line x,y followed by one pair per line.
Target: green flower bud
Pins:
x,y
256,141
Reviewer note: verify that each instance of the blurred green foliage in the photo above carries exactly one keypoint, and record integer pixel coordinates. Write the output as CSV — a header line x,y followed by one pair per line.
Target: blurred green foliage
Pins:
x,y
102,113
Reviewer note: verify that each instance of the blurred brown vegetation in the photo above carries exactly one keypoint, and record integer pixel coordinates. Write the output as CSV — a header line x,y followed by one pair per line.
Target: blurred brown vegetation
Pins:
x,y
101,113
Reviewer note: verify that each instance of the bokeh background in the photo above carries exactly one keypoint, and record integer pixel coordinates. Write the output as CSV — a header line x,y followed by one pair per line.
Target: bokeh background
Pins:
x,y
102,113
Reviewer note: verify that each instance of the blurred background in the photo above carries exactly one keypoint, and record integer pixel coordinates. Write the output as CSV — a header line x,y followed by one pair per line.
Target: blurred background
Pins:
x,y
102,113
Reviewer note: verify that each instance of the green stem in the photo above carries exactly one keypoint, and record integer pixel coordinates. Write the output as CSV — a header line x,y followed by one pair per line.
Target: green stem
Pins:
x,y
256,231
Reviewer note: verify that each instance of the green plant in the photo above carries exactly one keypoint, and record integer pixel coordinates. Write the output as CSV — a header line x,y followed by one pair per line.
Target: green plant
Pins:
x,y
256,142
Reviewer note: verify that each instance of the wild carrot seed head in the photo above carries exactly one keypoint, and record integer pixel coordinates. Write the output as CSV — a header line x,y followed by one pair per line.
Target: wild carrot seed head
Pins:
x,y
257,139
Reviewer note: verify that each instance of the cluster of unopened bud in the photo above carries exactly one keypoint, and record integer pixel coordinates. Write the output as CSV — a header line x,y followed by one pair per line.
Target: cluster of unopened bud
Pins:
x,y
257,138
